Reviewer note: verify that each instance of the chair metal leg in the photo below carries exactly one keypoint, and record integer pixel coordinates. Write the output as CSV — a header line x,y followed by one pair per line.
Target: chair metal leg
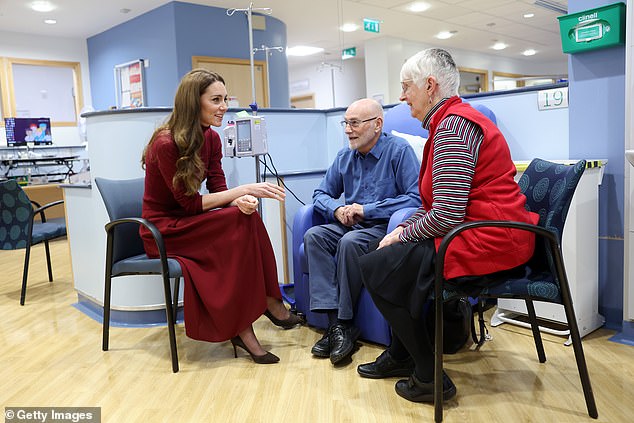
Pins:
x,y
106,308
107,292
48,261
177,282
579,355
25,273
438,352
537,336
170,321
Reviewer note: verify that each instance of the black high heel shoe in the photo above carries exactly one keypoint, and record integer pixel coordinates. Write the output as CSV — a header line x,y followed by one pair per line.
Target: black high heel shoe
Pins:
x,y
267,358
292,320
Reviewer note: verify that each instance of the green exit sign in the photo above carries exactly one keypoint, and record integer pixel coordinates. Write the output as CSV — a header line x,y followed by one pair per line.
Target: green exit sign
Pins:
x,y
348,53
371,25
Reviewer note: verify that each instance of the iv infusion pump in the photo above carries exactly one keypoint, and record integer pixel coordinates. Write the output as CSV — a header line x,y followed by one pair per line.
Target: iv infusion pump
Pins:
x,y
245,137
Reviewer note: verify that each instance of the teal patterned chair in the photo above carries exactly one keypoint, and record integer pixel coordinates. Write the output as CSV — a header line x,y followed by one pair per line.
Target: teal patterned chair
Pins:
x,y
19,229
549,188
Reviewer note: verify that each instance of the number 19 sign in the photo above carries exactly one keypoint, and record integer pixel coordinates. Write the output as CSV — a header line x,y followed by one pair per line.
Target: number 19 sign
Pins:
x,y
557,98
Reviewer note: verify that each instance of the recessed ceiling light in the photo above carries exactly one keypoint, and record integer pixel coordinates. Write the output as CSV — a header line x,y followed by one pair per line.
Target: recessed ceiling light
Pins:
x,y
349,27
50,21
303,50
529,15
443,35
529,52
499,46
418,6
42,6
125,10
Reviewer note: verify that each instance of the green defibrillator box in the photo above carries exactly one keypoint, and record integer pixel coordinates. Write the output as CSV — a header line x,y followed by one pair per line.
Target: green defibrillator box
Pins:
x,y
593,29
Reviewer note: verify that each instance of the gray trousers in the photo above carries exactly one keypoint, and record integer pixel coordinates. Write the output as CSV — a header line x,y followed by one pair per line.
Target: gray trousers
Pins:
x,y
334,277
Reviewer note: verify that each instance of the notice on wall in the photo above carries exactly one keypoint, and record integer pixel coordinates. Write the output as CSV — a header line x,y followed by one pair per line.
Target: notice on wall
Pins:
x,y
130,84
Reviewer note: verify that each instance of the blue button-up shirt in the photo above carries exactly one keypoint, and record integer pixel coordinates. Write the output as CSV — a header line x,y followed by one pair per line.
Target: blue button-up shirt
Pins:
x,y
383,181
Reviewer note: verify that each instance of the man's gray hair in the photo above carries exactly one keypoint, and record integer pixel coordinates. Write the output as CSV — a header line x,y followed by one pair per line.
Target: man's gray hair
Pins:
x,y
434,62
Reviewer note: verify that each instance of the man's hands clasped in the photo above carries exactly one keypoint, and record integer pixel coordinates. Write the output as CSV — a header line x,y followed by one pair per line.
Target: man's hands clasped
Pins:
x,y
350,214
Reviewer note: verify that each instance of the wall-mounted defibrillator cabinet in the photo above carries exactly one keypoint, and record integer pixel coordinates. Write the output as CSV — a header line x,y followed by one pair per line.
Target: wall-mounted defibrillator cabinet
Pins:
x,y
593,29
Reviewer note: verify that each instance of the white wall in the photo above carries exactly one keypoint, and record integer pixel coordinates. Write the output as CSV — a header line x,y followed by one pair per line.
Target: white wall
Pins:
x,y
24,46
315,79
385,56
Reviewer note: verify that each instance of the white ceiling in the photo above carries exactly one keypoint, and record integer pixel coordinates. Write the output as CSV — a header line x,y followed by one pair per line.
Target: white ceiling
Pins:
x,y
479,23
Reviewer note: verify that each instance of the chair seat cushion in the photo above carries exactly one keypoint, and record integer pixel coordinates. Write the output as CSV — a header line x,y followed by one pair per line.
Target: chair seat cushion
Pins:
x,y
523,281
48,230
142,264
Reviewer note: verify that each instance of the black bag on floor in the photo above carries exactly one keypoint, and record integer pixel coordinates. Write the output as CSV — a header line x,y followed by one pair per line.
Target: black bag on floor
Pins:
x,y
457,323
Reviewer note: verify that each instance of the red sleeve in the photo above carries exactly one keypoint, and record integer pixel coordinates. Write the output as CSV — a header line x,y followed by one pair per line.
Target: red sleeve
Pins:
x,y
161,165
216,180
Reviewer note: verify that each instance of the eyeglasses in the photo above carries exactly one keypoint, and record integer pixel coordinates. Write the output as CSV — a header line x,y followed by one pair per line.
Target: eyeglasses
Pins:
x,y
405,85
354,123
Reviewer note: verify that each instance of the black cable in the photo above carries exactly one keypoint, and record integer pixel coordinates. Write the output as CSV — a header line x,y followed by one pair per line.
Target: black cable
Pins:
x,y
280,181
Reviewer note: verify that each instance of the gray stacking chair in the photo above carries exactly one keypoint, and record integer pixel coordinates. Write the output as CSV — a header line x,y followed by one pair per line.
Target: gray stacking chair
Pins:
x,y
125,254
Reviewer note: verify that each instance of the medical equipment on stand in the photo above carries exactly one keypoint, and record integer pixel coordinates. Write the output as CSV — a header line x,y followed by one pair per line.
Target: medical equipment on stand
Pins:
x,y
245,137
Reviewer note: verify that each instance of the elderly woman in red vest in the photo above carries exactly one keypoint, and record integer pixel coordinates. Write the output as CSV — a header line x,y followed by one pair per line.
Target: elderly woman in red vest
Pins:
x,y
466,175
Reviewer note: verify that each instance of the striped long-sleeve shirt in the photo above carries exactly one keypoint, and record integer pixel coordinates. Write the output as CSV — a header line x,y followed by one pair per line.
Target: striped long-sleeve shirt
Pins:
x,y
455,153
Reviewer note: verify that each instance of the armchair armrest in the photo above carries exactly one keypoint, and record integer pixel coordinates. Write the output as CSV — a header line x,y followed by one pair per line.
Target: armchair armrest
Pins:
x,y
305,218
40,209
158,238
399,216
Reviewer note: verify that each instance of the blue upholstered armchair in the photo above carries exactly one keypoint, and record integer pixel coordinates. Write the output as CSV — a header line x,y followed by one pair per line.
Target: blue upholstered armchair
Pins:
x,y
374,328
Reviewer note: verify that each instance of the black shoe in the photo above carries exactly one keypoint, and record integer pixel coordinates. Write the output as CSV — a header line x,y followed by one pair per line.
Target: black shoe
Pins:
x,y
322,347
385,366
290,322
342,339
267,358
414,390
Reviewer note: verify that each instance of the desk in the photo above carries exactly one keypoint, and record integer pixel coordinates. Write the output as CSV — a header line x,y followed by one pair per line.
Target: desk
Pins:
x,y
9,164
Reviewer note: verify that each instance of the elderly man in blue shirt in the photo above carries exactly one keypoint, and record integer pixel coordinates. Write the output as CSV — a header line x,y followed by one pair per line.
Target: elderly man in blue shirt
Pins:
x,y
377,175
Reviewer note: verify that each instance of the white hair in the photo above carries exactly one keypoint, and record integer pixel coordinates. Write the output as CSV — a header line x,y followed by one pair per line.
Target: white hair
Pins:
x,y
434,62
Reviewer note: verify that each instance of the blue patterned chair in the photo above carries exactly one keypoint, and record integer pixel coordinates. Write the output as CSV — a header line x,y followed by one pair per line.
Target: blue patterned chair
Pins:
x,y
19,229
549,188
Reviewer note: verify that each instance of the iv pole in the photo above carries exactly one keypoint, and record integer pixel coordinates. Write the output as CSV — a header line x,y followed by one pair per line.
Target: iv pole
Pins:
x,y
254,105
267,51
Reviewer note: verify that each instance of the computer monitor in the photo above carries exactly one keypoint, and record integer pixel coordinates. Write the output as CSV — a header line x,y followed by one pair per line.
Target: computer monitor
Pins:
x,y
22,130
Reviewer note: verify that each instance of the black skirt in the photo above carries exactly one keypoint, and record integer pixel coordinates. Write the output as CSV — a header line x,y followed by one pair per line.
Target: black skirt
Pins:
x,y
402,274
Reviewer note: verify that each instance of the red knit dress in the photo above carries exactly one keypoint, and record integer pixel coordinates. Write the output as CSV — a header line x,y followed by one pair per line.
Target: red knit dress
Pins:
x,y
227,258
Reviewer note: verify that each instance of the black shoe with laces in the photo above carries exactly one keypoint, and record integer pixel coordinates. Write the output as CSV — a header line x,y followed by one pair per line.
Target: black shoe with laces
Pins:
x,y
385,366
322,347
414,390
342,339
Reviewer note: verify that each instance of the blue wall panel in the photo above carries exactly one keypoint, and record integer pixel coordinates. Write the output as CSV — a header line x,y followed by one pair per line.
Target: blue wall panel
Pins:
x,y
168,37
597,129
149,36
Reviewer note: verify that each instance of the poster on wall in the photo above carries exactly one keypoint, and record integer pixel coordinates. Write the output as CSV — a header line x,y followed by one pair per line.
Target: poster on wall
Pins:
x,y
130,84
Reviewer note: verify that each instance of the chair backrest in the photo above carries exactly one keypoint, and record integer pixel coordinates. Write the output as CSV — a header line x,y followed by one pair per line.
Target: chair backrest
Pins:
x,y
15,216
549,188
123,198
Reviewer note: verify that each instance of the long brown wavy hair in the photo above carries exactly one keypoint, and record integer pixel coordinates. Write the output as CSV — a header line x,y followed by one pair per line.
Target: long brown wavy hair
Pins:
x,y
184,126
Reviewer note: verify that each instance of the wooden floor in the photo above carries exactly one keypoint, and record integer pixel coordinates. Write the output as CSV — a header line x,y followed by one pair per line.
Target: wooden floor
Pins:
x,y
51,356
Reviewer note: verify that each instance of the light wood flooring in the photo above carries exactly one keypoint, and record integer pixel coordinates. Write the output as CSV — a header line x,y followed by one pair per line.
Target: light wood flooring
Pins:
x,y
51,356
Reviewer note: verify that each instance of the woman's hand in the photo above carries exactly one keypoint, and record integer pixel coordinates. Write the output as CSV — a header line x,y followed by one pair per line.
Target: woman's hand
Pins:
x,y
266,190
247,204
391,238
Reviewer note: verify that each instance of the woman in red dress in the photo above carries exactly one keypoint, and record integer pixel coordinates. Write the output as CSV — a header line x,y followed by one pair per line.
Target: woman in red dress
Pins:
x,y
218,238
